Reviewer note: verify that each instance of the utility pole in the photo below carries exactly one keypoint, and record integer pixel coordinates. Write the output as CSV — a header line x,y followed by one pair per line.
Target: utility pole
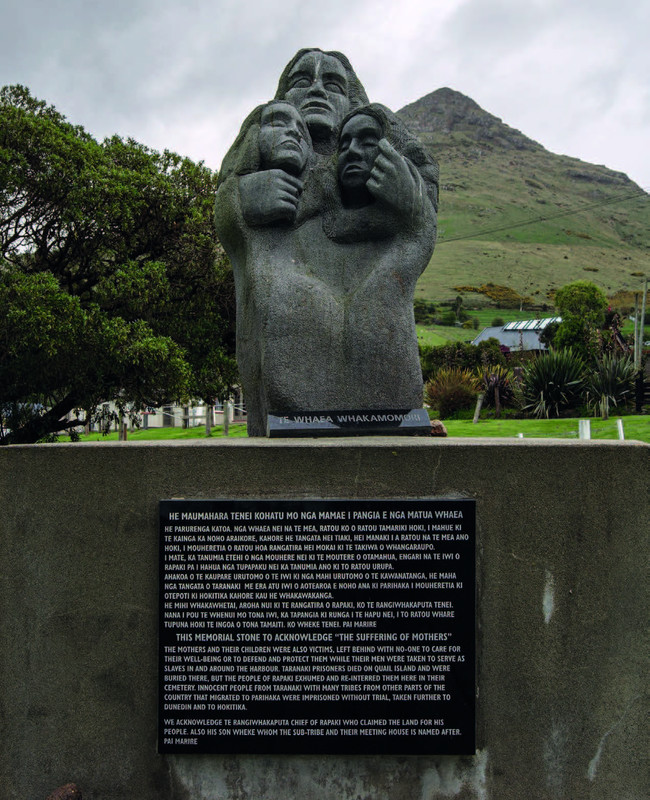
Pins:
x,y
208,417
639,328
226,418
642,320
637,354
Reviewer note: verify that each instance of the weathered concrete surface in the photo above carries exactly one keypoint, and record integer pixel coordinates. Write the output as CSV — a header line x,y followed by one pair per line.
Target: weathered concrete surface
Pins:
x,y
562,605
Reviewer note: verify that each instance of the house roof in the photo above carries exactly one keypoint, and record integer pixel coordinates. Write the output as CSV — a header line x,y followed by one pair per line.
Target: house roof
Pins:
x,y
519,335
530,324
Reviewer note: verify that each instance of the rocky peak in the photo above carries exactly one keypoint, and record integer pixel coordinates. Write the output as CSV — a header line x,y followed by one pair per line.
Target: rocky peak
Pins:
x,y
447,111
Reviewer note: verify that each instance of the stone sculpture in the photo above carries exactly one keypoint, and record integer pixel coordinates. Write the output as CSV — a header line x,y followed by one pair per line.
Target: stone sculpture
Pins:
x,y
326,206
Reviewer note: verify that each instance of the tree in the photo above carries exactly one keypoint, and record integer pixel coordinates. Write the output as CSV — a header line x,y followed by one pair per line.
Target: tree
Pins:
x,y
113,285
547,335
424,311
582,299
582,306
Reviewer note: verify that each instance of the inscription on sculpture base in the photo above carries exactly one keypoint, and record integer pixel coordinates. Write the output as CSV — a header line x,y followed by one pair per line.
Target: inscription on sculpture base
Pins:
x,y
391,422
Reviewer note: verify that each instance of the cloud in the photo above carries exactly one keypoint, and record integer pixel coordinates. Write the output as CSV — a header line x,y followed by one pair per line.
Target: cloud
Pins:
x,y
573,76
562,73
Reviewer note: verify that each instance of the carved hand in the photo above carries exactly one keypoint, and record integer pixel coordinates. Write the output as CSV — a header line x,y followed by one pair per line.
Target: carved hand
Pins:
x,y
391,181
269,196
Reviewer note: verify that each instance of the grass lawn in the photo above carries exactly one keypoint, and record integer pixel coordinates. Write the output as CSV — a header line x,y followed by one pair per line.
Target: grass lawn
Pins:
x,y
636,427
436,335
627,329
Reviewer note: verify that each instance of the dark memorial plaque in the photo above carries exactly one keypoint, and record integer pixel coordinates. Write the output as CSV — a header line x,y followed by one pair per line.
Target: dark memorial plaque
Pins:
x,y
393,422
342,626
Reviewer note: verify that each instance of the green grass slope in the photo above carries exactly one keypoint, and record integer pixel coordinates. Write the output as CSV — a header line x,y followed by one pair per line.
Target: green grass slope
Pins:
x,y
514,214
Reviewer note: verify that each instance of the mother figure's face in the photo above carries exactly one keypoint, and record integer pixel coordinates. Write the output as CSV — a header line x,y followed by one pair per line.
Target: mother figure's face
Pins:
x,y
318,87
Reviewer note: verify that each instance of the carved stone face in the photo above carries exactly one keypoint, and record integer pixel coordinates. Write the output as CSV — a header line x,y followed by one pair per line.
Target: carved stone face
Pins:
x,y
318,87
284,139
358,148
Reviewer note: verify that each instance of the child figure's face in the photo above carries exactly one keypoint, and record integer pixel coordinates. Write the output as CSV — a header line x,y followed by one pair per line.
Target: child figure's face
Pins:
x,y
358,149
284,139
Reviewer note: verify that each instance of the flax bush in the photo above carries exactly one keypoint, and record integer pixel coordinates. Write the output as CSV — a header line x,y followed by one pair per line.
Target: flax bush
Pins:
x,y
610,383
553,382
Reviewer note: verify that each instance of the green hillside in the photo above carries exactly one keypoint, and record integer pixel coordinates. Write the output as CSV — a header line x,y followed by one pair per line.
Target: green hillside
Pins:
x,y
586,221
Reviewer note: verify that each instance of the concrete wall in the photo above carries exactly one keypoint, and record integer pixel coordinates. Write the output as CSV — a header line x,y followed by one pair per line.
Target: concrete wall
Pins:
x,y
562,605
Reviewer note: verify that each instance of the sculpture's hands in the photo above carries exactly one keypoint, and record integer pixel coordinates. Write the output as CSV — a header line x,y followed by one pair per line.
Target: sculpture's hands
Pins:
x,y
391,182
269,196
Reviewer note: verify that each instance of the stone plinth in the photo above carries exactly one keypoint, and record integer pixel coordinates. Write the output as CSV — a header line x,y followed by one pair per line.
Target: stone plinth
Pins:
x,y
562,601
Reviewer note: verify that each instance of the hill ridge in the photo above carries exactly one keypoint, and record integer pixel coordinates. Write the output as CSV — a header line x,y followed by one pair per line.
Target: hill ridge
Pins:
x,y
516,214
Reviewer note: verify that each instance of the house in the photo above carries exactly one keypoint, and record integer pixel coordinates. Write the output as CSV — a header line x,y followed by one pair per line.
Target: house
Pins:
x,y
521,335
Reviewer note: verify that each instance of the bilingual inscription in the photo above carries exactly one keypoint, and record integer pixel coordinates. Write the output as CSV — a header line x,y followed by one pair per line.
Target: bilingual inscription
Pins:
x,y
317,626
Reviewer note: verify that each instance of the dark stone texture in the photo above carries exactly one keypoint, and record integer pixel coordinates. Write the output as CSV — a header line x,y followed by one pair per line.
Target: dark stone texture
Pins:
x,y
68,792
327,209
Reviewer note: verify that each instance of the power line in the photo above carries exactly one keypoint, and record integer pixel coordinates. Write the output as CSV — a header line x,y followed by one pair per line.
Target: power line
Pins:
x,y
533,220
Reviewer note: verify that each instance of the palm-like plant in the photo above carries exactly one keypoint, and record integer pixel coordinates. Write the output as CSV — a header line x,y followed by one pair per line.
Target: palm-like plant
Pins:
x,y
611,383
553,382
497,382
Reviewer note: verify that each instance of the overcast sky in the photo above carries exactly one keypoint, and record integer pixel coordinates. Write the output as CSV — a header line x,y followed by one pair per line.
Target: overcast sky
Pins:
x,y
182,74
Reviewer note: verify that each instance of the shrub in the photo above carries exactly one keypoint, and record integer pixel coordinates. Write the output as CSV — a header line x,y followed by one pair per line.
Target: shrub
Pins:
x,y
452,390
610,383
424,311
553,382
448,318
504,296
460,355
497,322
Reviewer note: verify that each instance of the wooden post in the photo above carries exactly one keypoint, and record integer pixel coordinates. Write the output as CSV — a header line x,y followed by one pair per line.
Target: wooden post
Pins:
x,y
479,403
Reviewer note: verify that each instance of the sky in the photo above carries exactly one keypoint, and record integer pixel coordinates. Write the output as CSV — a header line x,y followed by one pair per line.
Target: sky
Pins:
x,y
572,74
